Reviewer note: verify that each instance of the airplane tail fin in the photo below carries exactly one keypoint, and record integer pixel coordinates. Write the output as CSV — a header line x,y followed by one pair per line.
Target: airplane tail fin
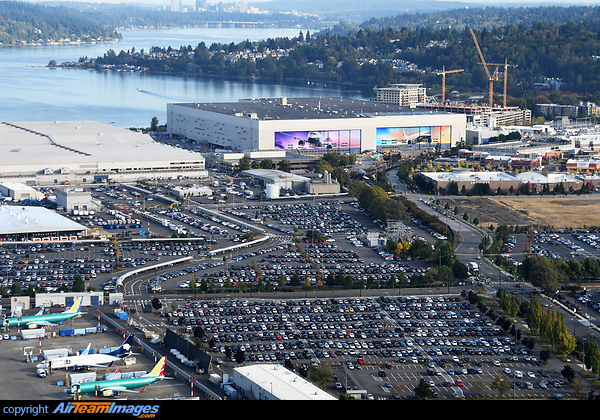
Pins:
x,y
87,350
159,369
76,308
125,348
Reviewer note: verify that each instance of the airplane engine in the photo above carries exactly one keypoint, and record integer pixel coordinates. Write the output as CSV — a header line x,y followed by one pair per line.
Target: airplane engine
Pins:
x,y
108,393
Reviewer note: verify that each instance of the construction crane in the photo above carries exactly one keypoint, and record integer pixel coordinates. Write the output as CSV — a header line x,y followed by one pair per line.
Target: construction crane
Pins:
x,y
444,73
491,77
506,66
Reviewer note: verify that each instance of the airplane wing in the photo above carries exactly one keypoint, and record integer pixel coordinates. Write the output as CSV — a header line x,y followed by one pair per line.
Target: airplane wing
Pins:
x,y
42,323
41,311
121,389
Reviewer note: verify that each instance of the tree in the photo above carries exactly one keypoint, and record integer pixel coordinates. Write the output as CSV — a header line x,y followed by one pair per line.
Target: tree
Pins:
x,y
500,384
568,373
592,355
156,304
284,165
266,164
154,124
78,284
423,389
320,373
244,164
16,289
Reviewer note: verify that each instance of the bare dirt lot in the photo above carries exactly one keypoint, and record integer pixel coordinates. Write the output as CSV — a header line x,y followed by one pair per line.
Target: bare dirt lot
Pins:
x,y
557,212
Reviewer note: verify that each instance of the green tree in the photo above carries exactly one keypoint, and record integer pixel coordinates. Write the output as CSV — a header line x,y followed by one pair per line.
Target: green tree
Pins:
x,y
154,124
320,373
78,284
500,384
423,389
592,355
244,164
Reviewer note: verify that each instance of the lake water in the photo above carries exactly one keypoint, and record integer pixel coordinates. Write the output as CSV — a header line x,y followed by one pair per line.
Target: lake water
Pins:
x,y
32,92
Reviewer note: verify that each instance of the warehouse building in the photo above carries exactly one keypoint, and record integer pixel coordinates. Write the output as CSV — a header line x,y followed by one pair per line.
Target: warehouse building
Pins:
x,y
19,192
314,125
66,299
276,383
33,223
76,200
79,152
466,180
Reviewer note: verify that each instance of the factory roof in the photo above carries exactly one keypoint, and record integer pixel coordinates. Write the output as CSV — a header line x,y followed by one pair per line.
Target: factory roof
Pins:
x,y
303,108
274,175
282,383
79,143
462,176
33,219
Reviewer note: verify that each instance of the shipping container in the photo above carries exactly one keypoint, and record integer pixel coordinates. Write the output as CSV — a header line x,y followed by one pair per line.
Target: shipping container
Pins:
x,y
66,332
53,353
120,314
230,390
33,333
79,378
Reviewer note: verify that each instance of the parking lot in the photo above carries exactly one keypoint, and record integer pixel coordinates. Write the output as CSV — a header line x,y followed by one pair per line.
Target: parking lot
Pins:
x,y
383,345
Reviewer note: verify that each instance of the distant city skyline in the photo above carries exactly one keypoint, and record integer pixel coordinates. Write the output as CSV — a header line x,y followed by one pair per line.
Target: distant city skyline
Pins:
x,y
189,3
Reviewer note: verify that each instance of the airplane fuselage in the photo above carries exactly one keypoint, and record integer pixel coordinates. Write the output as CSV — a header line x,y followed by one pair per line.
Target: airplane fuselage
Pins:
x,y
115,384
51,318
92,360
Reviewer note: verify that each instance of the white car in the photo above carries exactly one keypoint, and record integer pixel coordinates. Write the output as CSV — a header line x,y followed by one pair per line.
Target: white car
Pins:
x,y
518,374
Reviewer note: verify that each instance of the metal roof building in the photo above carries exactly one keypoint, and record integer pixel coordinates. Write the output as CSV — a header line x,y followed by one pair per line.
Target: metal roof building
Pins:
x,y
314,125
45,153
36,223
275,382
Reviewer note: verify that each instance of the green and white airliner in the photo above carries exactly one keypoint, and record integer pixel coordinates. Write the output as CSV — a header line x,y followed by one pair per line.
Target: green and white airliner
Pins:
x,y
112,387
40,320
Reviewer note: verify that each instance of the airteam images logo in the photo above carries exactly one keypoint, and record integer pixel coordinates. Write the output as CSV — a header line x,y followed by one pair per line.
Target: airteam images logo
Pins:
x,y
142,411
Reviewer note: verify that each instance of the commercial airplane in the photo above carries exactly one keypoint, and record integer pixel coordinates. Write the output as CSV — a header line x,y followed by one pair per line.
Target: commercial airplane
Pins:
x,y
90,360
112,387
40,320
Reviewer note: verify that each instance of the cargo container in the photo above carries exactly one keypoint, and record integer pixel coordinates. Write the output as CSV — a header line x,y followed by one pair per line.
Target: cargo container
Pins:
x,y
230,390
107,350
79,378
66,332
120,314
79,331
53,353
33,334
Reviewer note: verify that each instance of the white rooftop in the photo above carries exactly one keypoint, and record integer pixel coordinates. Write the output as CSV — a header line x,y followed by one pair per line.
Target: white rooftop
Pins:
x,y
33,219
273,174
470,176
283,383
80,146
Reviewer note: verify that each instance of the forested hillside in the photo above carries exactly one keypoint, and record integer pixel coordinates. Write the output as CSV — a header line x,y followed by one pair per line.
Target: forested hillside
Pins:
x,y
25,23
379,57
488,17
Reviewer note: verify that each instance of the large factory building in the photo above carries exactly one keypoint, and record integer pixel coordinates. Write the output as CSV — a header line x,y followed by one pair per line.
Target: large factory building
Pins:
x,y
314,125
80,152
